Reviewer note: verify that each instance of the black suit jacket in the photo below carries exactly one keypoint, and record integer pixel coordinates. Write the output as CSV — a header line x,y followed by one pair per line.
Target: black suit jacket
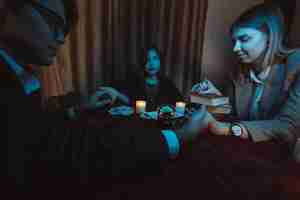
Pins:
x,y
40,144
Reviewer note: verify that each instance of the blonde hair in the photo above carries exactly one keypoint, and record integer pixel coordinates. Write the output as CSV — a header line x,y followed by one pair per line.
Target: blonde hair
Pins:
x,y
269,18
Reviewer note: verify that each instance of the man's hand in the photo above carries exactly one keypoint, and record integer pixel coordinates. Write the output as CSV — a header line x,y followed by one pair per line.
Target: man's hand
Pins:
x,y
112,92
115,94
104,96
98,100
197,123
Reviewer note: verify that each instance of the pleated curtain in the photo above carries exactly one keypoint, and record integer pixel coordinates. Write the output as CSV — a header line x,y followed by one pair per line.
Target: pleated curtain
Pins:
x,y
110,36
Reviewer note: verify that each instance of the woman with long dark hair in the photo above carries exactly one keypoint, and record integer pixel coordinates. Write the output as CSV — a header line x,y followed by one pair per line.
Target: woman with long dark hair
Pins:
x,y
149,84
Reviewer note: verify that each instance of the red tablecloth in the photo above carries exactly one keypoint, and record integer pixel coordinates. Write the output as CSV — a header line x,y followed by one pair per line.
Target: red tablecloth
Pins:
x,y
213,167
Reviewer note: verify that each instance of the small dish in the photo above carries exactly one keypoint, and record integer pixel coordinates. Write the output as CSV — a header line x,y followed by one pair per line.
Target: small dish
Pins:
x,y
121,111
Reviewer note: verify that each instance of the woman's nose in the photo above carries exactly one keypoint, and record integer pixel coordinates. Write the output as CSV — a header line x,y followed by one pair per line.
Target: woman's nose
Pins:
x,y
150,62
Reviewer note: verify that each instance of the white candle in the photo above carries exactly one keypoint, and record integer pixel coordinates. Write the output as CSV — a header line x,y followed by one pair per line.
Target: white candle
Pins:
x,y
180,107
140,106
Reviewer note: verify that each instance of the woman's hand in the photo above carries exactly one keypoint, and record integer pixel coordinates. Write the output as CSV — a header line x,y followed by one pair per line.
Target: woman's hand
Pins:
x,y
219,128
205,87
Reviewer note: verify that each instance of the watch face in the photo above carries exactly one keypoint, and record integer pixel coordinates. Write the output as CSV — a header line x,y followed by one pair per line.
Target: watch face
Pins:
x,y
236,130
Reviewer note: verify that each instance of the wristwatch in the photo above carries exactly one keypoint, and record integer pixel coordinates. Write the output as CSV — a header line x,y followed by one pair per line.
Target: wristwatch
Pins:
x,y
236,129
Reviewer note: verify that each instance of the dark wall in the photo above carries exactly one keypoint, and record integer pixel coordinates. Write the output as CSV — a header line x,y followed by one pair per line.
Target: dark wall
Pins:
x,y
288,8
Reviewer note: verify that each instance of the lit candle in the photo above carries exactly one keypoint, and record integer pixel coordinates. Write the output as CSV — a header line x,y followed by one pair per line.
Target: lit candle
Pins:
x,y
140,106
180,107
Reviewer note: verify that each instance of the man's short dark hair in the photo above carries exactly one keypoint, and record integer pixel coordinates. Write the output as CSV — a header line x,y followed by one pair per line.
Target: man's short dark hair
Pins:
x,y
71,11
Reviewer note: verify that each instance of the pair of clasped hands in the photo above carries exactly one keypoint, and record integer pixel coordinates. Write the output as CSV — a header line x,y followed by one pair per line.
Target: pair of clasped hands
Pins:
x,y
198,119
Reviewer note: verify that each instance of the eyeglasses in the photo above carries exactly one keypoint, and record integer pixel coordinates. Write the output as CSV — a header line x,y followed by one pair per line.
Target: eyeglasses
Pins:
x,y
55,22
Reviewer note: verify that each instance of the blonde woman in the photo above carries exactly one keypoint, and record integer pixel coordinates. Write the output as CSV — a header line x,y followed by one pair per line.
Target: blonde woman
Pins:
x,y
265,93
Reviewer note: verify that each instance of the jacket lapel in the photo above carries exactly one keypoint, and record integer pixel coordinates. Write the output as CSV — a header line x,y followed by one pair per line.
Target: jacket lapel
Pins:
x,y
243,93
273,89
272,93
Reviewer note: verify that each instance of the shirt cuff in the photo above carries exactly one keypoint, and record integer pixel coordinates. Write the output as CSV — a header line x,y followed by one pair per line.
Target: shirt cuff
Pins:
x,y
172,142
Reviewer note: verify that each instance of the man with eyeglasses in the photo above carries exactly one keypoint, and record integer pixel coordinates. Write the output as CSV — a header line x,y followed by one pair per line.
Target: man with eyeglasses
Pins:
x,y
39,143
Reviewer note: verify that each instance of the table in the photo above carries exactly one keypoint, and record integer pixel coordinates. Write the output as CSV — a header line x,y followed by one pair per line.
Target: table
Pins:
x,y
213,167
